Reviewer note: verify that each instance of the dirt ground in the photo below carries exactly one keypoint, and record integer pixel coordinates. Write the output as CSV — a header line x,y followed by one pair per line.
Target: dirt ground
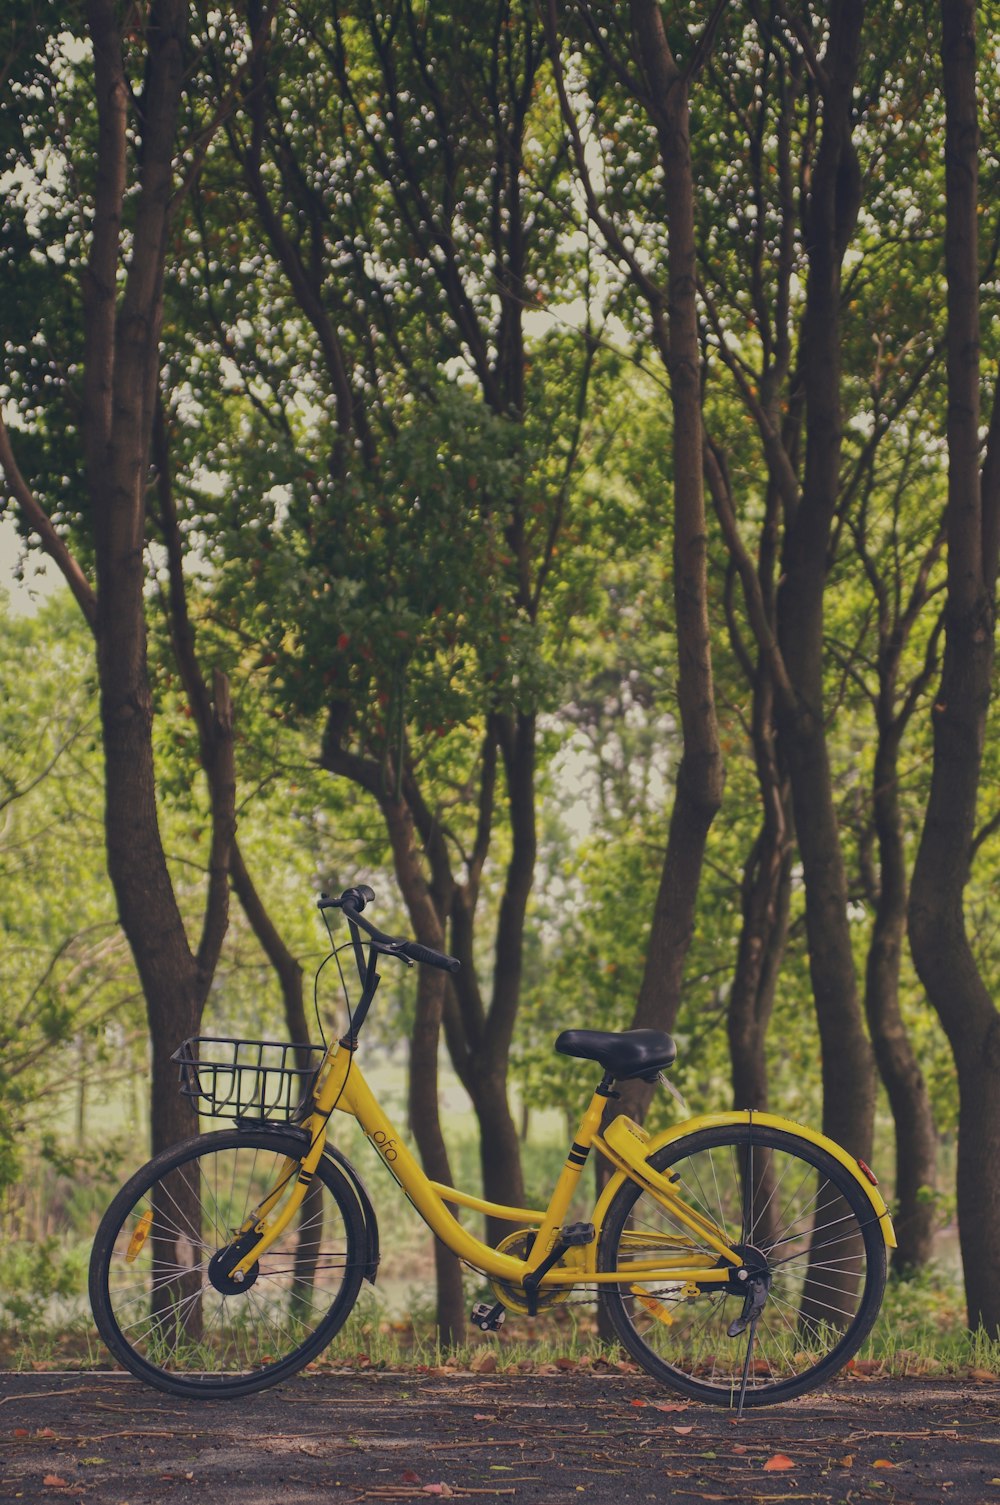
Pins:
x,y
105,1439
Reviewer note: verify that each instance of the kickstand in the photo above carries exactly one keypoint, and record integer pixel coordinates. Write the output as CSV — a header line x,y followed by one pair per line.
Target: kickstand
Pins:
x,y
746,1368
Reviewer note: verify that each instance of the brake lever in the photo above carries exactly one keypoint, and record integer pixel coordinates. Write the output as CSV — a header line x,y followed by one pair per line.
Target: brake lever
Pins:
x,y
385,950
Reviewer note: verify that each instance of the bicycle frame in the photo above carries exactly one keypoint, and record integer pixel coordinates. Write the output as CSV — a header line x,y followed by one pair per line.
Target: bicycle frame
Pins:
x,y
341,1087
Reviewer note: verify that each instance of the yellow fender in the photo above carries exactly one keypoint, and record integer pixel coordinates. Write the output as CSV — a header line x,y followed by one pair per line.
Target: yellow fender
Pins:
x,y
744,1116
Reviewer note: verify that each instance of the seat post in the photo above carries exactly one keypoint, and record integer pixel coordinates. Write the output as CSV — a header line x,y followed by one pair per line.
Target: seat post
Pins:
x,y
605,1087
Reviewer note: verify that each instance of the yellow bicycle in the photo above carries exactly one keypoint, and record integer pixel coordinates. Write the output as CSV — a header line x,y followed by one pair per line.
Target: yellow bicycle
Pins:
x,y
740,1258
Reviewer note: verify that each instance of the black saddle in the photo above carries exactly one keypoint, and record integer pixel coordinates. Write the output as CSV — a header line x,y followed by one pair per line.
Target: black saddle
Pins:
x,y
631,1053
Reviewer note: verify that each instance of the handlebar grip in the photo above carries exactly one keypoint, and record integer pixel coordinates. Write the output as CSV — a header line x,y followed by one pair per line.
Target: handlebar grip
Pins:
x,y
351,898
417,953
358,896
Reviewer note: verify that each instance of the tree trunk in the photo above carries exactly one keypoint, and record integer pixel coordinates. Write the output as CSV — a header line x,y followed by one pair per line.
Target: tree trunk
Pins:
x,y
488,1062
121,374
941,949
425,1124
425,907
767,885
700,776
848,1069
499,1148
916,1136
765,904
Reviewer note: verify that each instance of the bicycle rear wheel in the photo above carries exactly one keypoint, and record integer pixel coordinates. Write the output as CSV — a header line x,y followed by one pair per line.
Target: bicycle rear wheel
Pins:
x,y
802,1222
173,1318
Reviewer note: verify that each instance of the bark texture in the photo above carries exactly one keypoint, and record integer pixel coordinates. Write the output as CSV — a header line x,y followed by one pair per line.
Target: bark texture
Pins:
x,y
834,200
765,897
938,935
916,1134
121,371
701,773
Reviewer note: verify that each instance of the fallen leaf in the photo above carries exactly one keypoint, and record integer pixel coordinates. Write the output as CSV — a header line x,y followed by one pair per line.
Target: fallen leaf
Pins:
x,y
883,1463
867,1366
777,1462
638,1401
484,1363
669,1405
45,1432
20,1431
846,1462
739,1447
982,1374
439,1489
53,1481
409,1477
483,1416
683,1431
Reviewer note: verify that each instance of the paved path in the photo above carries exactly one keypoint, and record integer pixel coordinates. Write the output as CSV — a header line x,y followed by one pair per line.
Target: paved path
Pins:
x,y
106,1440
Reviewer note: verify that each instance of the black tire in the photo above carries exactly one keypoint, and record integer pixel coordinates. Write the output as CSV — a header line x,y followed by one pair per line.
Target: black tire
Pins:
x,y
171,1320
802,1217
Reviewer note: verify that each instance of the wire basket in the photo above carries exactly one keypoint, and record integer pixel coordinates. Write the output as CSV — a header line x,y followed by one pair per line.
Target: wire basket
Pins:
x,y
247,1079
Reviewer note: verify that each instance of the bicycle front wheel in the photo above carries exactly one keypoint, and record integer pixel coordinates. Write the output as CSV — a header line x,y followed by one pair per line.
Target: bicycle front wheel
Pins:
x,y
802,1224
161,1299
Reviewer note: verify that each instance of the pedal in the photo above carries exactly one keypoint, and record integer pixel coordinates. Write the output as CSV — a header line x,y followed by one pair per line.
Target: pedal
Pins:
x,y
575,1234
488,1318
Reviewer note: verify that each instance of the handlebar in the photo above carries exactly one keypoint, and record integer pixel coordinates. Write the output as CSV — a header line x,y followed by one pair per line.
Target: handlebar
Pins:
x,y
353,900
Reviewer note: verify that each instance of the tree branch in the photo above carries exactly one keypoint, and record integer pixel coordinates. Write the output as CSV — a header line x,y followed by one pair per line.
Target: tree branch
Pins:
x,y
213,715
40,522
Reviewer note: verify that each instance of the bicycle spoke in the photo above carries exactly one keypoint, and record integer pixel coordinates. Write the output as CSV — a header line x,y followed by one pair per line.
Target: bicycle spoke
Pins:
x,y
776,1191
164,1306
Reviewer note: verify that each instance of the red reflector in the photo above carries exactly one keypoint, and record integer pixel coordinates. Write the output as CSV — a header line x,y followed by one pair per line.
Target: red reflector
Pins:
x,y
867,1171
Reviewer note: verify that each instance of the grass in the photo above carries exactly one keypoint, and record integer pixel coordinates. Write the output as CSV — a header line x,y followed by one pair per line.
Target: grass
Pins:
x,y
369,1342
920,1333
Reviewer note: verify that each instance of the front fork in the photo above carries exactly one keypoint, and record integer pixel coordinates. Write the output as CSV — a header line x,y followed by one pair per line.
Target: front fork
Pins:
x,y
234,1267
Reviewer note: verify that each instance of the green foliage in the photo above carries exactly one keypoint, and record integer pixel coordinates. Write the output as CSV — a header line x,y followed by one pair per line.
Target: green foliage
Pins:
x,y
37,1274
63,968
418,489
